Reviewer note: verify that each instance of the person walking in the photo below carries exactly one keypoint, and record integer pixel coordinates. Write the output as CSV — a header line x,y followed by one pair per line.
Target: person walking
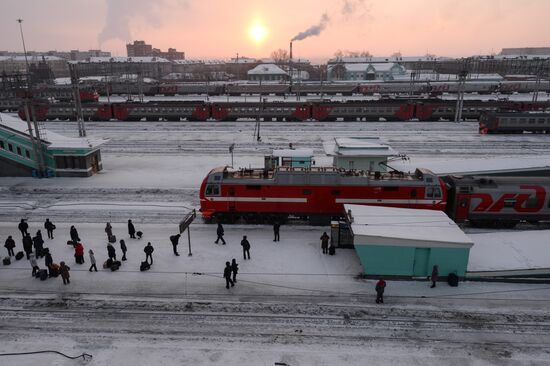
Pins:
x,y
79,253
9,245
27,244
123,248
92,260
380,286
246,247
324,242
38,244
174,239
227,275
149,253
131,230
111,252
23,227
64,272
435,274
50,227
74,235
220,232
34,264
109,231
276,229
48,262
234,269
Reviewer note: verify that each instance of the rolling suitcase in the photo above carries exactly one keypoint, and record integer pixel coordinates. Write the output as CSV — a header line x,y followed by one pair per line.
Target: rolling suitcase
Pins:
x,y
19,256
144,266
112,239
331,250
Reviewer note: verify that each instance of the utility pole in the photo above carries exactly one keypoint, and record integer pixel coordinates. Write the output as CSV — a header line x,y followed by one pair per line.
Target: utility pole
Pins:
x,y
460,94
77,101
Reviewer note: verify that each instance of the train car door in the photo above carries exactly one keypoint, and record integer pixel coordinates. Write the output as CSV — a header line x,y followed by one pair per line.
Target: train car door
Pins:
x,y
462,207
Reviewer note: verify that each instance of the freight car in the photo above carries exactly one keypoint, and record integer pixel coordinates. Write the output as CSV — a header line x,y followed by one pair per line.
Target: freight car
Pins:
x,y
514,122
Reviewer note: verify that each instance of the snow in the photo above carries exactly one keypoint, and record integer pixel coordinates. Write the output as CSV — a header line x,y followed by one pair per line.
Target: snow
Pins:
x,y
142,59
267,69
405,226
357,146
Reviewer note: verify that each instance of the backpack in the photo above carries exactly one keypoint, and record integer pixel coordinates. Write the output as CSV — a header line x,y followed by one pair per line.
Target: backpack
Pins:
x,y
452,280
6,261
144,266
19,255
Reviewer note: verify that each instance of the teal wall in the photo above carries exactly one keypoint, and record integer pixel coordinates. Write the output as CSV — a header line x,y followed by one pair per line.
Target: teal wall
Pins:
x,y
400,261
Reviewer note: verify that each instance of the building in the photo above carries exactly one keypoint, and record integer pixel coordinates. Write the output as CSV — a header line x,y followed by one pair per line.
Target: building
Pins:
x,y
63,156
147,66
402,242
17,64
267,72
365,71
361,153
294,158
533,51
142,49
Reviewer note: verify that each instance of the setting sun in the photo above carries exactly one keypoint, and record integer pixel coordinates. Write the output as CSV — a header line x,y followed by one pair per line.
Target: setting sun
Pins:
x,y
258,32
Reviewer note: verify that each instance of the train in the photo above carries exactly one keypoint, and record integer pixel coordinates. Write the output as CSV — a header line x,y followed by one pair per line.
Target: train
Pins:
x,y
12,99
318,194
515,122
317,110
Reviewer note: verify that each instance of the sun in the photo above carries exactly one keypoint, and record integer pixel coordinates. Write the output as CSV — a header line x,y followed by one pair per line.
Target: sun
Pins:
x,y
258,32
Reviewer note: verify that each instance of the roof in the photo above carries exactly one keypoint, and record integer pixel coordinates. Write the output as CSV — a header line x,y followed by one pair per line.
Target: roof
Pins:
x,y
144,59
358,146
385,59
31,58
405,227
285,153
54,140
267,69
354,67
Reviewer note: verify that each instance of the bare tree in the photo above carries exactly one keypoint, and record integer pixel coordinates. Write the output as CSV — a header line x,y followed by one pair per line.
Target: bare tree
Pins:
x,y
396,55
280,56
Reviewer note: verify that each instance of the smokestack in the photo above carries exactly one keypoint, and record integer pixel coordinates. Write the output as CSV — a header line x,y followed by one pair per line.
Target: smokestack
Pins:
x,y
290,64
291,50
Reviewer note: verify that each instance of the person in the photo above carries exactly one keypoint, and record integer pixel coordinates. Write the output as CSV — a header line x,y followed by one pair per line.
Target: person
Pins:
x,y
23,227
324,242
9,245
220,232
234,269
246,247
34,265
27,244
175,240
123,248
48,262
38,244
79,253
92,260
131,230
380,286
109,230
227,275
50,227
64,272
149,253
74,235
111,252
435,274
276,228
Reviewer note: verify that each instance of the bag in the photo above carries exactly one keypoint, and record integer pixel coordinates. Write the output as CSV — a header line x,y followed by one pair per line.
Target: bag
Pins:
x,y
54,269
6,261
331,250
144,266
139,234
53,227
42,274
108,263
115,266
19,256
112,239
70,242
452,279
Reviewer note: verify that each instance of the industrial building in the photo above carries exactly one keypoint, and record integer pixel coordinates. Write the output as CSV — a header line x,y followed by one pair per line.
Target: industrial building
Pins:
x,y
360,153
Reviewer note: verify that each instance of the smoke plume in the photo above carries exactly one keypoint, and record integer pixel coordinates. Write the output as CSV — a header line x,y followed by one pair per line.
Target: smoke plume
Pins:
x,y
314,30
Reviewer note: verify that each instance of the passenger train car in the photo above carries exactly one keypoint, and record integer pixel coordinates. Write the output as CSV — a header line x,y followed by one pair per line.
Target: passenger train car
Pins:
x,y
514,122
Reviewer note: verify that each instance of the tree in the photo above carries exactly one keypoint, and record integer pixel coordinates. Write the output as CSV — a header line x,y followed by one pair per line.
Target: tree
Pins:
x,y
280,56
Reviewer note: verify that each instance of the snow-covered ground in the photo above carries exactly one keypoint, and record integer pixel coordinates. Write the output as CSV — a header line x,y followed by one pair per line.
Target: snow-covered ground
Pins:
x,y
292,304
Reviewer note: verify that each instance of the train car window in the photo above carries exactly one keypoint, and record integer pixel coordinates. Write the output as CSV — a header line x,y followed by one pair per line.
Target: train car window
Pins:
x,y
531,121
541,121
306,191
212,190
467,189
429,180
19,151
522,120
509,202
217,177
27,154
2,145
430,192
437,192
10,147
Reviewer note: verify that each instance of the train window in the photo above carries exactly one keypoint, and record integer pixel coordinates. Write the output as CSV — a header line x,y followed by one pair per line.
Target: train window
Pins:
x,y
429,192
306,191
510,202
212,190
253,187
429,179
531,121
467,189
513,120
437,192
27,154
19,151
541,121
2,145
522,120
10,147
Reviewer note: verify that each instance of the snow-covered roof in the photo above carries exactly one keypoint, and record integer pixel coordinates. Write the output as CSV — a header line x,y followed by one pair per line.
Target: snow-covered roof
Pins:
x,y
358,146
287,153
31,58
267,69
243,60
386,59
118,59
54,140
376,225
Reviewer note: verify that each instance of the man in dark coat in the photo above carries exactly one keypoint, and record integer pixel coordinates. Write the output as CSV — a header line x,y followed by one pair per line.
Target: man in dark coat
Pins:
x,y
435,274
276,228
9,245
23,227
123,248
380,286
38,243
48,261
50,227
27,244
227,275
131,230
324,242
246,247
220,232
111,252
234,269
74,235
174,239
149,253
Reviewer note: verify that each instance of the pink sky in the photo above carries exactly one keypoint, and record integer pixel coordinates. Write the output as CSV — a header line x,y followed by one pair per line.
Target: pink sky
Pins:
x,y
219,28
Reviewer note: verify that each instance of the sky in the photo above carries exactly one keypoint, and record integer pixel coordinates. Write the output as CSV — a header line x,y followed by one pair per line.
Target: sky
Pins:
x,y
222,28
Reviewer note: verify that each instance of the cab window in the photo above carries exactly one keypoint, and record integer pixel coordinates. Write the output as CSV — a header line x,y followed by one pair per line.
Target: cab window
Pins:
x,y
212,190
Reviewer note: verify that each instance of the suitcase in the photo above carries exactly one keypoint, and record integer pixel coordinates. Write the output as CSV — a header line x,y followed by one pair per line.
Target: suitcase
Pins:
x,y
331,250
6,261
139,234
42,274
452,279
144,266
112,239
115,266
19,256
108,263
